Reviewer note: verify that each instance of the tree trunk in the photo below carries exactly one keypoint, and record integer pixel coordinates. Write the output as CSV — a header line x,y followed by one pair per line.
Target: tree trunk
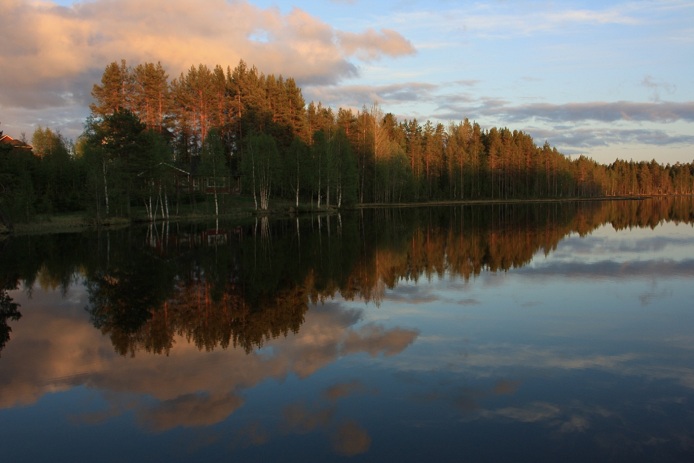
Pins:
x,y
103,165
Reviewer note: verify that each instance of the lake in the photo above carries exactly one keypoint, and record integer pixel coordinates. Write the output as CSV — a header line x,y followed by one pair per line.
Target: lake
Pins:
x,y
524,333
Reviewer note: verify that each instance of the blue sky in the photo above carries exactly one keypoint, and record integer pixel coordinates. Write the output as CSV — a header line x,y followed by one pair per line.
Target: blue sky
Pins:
x,y
608,79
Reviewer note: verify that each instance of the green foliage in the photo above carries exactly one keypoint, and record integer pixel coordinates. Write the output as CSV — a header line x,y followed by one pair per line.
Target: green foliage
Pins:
x,y
388,161
296,171
17,194
148,138
59,181
260,168
345,168
213,167
116,143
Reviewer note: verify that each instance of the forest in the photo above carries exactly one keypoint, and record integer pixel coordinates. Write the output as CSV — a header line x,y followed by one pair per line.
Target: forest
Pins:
x,y
154,146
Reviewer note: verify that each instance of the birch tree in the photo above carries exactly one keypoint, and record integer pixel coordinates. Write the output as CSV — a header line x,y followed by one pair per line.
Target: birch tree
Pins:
x,y
214,166
259,166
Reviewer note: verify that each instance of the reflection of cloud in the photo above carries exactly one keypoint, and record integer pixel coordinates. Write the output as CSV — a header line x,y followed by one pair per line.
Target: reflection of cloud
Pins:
x,y
348,438
575,424
189,410
49,353
506,387
300,419
572,420
532,413
467,402
663,268
351,439
411,295
675,367
341,390
56,350
538,358
603,245
376,340
252,434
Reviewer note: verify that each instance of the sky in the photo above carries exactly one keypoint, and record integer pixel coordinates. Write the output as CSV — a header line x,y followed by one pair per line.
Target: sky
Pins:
x,y
605,79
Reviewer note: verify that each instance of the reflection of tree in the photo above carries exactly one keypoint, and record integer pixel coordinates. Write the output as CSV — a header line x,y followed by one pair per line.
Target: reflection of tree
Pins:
x,y
258,286
8,311
229,321
123,297
244,287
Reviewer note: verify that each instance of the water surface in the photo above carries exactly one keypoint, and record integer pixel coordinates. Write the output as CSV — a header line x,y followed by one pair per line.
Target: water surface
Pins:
x,y
551,332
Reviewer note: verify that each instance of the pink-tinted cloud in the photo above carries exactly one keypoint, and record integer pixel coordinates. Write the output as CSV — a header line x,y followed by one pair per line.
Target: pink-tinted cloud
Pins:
x,y
66,43
372,44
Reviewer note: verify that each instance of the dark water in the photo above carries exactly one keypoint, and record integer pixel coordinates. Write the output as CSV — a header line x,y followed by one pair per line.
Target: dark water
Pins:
x,y
550,332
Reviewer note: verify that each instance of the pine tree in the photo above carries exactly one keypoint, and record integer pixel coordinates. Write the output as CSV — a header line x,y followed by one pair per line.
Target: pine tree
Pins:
x,y
115,92
150,99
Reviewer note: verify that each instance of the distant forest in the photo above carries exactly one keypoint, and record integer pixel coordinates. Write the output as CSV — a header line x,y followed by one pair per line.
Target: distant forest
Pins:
x,y
154,144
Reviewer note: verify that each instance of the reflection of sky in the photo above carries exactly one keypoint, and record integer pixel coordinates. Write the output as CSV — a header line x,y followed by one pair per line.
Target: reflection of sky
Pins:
x,y
56,360
588,348
583,335
669,242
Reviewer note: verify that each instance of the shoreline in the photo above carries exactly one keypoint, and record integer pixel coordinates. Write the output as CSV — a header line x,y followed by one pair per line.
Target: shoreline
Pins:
x,y
76,222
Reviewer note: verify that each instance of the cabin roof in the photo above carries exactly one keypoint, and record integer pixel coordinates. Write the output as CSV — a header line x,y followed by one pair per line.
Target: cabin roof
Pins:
x,y
7,140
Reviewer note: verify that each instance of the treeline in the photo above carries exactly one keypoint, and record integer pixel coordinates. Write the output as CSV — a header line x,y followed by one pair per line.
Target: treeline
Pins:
x,y
156,142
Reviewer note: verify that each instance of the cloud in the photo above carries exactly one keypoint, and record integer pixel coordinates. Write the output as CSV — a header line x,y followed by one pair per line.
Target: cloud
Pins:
x,y
452,103
371,45
576,127
598,111
356,96
588,137
468,301
488,21
662,112
657,87
68,48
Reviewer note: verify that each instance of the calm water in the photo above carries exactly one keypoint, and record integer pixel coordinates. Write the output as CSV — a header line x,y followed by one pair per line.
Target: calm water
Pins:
x,y
508,333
